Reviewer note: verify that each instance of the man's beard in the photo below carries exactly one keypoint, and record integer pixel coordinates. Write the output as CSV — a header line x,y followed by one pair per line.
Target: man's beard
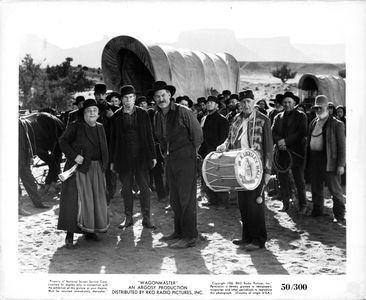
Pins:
x,y
232,108
323,115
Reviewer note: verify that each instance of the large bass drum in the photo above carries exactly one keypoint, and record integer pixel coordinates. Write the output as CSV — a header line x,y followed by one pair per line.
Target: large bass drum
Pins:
x,y
240,170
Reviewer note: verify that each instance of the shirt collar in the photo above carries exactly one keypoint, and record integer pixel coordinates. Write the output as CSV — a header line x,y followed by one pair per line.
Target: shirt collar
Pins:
x,y
133,110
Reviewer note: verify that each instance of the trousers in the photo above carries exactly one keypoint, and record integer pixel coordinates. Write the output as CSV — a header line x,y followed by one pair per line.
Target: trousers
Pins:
x,y
252,217
181,170
319,176
142,179
298,173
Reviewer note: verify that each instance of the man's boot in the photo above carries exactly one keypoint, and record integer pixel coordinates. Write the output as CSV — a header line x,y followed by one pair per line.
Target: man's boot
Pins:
x,y
147,223
128,221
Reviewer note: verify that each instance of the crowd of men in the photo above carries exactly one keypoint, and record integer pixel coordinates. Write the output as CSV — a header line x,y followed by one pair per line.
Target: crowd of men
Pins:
x,y
157,141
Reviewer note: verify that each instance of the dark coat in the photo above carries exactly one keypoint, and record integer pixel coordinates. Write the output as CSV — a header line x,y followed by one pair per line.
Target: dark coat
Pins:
x,y
334,140
182,130
292,128
159,155
117,147
215,132
74,141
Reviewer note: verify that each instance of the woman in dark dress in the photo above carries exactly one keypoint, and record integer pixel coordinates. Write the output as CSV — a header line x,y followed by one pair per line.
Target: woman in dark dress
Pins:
x,y
83,204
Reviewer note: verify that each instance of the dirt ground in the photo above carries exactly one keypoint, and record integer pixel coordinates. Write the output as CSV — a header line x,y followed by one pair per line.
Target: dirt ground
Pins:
x,y
296,244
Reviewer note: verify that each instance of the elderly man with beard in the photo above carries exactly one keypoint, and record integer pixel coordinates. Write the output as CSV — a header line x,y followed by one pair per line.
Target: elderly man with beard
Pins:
x,y
180,137
251,129
327,158
215,131
132,152
289,131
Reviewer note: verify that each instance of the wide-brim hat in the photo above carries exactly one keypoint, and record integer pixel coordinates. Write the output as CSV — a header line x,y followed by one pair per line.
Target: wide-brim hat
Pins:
x,y
78,99
292,96
213,99
265,103
161,85
89,102
100,88
278,99
320,101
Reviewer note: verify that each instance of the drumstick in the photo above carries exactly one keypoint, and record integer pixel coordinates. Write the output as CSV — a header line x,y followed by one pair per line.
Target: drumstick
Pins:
x,y
259,199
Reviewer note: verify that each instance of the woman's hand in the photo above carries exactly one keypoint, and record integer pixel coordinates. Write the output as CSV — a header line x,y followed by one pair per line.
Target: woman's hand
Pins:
x,y
221,148
79,159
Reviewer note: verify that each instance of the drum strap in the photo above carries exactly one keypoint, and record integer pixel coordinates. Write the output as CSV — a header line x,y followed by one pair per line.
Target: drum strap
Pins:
x,y
245,131
253,129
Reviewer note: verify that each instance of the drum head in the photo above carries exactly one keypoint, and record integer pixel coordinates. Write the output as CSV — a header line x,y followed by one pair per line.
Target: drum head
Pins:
x,y
248,169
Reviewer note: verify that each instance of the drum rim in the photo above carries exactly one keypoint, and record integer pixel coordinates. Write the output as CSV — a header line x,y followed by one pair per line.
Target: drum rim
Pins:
x,y
204,168
256,153
224,189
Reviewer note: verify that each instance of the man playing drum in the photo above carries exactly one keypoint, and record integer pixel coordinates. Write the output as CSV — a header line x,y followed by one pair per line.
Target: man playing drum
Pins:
x,y
251,129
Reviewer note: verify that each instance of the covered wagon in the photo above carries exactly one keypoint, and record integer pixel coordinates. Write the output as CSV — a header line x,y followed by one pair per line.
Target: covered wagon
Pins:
x,y
332,86
126,60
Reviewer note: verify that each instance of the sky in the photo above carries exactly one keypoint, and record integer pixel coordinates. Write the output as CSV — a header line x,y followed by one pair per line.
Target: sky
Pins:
x,y
71,24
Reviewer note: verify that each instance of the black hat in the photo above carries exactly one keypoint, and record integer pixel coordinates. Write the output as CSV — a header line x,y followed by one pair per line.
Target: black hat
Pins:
x,y
78,99
291,95
161,85
100,88
265,103
277,99
213,99
331,104
246,94
226,93
220,97
127,89
141,99
89,102
113,94
234,96
201,100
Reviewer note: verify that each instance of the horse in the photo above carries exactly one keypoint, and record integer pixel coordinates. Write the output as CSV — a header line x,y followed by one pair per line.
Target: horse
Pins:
x,y
42,131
